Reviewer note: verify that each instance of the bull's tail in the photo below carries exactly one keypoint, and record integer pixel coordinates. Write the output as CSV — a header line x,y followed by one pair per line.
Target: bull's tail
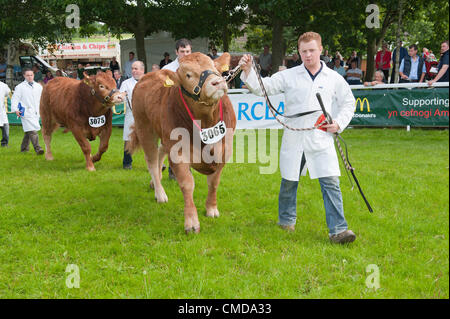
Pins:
x,y
133,144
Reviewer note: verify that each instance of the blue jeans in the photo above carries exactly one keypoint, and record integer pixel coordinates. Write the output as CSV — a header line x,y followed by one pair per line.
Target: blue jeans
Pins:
x,y
332,199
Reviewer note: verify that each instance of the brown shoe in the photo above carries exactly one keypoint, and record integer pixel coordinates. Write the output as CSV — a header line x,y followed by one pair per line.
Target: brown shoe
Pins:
x,y
347,236
290,228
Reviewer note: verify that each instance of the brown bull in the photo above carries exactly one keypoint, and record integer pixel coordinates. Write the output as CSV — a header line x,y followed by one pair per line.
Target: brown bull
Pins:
x,y
162,103
82,107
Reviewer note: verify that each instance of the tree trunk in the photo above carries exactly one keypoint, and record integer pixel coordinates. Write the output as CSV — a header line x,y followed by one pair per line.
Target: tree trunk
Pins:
x,y
140,47
399,30
371,52
139,34
225,32
13,47
278,47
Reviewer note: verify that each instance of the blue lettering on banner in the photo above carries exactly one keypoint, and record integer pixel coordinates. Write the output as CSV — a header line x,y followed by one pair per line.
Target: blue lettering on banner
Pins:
x,y
243,109
280,109
253,111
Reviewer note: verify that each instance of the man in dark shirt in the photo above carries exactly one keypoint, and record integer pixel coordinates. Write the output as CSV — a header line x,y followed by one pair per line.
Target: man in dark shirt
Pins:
x,y
165,61
114,65
442,75
294,62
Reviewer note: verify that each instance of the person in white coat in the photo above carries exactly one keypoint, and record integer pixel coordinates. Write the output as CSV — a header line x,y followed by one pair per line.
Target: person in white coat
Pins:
x,y
137,71
4,124
25,103
183,47
310,150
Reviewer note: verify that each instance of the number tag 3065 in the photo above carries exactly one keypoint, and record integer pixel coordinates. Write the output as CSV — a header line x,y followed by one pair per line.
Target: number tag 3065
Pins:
x,y
213,134
97,121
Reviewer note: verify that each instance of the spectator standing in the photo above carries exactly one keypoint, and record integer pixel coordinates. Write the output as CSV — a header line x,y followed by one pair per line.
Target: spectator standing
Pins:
x,y
155,67
118,78
383,60
295,61
354,56
137,71
265,61
165,61
213,54
114,65
58,73
25,103
379,79
4,124
48,76
403,54
127,70
354,74
80,71
38,77
412,67
442,75
2,68
338,67
325,58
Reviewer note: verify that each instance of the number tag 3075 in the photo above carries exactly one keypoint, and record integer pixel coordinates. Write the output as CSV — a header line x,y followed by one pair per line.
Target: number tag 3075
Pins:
x,y
213,134
97,121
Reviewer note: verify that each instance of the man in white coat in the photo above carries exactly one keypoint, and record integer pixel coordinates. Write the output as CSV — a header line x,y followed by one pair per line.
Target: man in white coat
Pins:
x,y
4,124
183,47
311,150
25,103
137,71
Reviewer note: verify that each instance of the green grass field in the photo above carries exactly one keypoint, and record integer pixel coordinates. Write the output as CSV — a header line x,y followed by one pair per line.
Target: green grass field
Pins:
x,y
125,245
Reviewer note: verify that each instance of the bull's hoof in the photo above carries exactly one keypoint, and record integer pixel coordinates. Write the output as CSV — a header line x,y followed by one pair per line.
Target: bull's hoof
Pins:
x,y
161,197
194,229
49,157
212,212
91,169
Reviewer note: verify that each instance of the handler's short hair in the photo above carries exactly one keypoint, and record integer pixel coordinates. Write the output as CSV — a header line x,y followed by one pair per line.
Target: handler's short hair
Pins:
x,y
414,46
183,43
309,36
26,70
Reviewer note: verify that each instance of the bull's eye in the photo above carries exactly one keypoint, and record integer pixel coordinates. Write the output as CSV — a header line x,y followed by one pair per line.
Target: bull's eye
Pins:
x,y
101,86
188,75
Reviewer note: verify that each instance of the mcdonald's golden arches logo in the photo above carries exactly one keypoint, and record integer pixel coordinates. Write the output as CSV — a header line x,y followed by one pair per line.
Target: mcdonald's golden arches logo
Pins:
x,y
361,104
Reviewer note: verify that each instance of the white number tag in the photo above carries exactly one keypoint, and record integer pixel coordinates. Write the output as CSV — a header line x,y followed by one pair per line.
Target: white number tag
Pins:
x,y
97,121
213,134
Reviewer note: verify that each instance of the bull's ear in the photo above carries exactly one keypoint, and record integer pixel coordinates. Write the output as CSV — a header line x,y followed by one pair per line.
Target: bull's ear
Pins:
x,y
109,73
89,80
168,78
222,63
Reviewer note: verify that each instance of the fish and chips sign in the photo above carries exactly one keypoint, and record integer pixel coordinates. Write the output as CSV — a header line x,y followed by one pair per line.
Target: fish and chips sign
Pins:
x,y
81,50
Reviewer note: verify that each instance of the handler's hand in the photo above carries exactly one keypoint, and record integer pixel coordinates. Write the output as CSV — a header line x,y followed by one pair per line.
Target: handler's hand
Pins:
x,y
246,63
18,113
332,128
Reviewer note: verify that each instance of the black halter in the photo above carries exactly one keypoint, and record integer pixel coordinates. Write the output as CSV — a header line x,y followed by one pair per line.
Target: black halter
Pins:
x,y
198,87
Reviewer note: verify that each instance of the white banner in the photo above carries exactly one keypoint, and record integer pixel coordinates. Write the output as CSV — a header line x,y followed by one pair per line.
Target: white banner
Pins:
x,y
253,112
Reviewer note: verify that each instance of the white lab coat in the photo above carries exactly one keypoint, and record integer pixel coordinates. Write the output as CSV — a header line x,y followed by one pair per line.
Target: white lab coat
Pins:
x,y
172,66
128,86
300,96
29,97
4,93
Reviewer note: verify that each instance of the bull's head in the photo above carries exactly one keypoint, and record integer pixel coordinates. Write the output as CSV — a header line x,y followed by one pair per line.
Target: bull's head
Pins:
x,y
200,77
104,88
